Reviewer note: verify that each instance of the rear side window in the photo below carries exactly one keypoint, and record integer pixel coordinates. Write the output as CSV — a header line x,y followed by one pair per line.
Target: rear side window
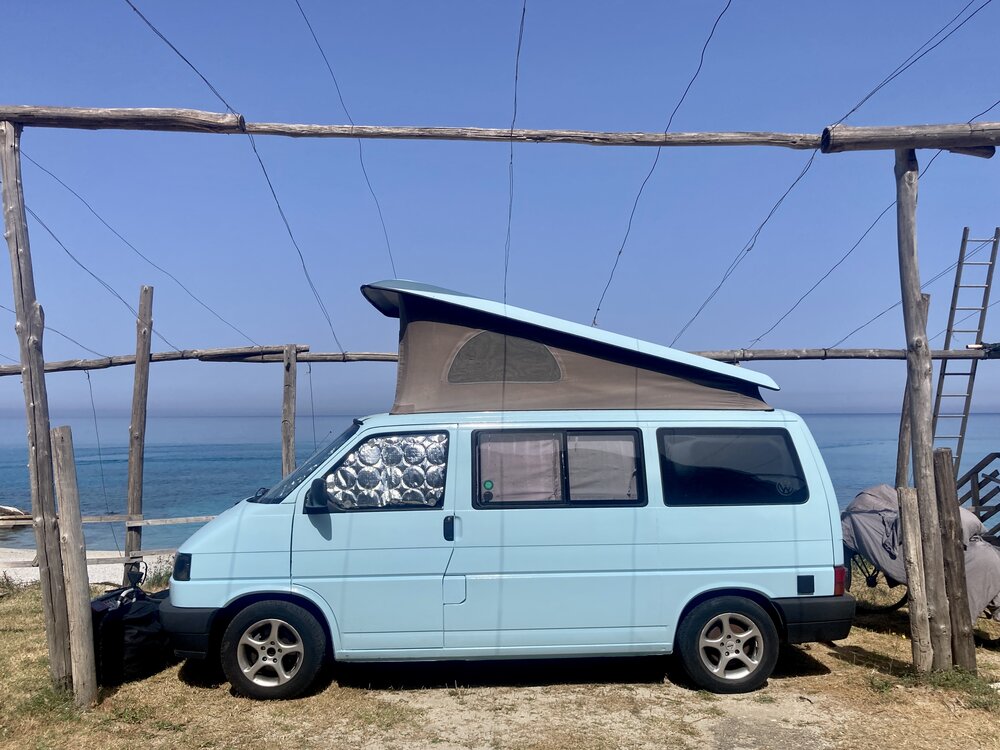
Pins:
x,y
529,468
730,466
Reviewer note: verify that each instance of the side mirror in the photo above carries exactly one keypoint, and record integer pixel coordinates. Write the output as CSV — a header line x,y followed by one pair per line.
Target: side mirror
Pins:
x,y
316,498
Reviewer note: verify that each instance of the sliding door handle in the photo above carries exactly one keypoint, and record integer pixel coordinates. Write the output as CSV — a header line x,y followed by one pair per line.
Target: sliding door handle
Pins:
x,y
449,528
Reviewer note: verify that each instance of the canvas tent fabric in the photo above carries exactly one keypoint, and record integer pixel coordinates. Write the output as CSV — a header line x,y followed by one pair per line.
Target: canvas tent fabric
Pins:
x,y
462,353
870,525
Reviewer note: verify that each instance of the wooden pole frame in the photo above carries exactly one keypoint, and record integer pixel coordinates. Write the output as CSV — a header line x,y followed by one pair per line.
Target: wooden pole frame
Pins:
x,y
137,426
288,411
918,378
30,327
74,556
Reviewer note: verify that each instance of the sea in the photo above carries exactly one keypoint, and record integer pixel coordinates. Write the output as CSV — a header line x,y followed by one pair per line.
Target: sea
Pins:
x,y
198,466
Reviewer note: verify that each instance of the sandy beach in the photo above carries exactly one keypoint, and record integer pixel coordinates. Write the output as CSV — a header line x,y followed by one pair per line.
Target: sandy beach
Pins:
x,y
99,573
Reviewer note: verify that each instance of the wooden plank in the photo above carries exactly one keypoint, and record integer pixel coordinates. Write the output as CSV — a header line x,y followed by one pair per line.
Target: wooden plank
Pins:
x,y
913,558
197,121
17,521
963,647
117,560
288,412
74,559
30,326
918,376
137,426
974,135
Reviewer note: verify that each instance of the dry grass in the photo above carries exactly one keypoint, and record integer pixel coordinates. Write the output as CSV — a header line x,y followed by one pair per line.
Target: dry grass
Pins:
x,y
856,693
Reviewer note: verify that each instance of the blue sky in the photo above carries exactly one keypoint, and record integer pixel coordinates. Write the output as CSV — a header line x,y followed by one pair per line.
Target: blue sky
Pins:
x,y
198,206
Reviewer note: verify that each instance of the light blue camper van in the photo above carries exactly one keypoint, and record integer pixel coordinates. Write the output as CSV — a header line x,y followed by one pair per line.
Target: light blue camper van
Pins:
x,y
539,489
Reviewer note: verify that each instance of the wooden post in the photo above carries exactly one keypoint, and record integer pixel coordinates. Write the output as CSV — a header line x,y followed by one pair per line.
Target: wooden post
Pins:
x,y
920,632
30,325
904,446
137,429
953,542
918,376
74,557
288,412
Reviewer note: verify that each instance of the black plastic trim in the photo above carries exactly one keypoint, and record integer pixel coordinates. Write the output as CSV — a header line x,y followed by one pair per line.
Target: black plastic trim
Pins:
x,y
816,618
190,628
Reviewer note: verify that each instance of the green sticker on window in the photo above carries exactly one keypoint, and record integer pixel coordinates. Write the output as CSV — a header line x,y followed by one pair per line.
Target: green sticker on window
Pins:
x,y
488,484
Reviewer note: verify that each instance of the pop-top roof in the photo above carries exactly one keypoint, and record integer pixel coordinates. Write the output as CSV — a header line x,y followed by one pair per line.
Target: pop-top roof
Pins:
x,y
459,352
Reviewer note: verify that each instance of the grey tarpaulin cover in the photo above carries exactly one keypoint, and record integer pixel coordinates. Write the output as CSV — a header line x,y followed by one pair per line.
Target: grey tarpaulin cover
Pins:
x,y
871,527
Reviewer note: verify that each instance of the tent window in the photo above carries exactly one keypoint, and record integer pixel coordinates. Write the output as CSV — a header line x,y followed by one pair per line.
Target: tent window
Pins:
x,y
529,468
482,358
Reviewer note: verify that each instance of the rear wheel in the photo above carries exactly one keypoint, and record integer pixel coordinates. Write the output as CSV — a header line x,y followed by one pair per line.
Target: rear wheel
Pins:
x,y
728,645
870,588
272,649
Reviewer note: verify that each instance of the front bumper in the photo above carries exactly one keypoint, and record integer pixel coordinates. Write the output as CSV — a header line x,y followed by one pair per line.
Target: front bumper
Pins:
x,y
190,628
816,618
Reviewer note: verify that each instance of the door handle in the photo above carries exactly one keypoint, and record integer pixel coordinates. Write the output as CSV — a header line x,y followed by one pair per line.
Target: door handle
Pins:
x,y
449,528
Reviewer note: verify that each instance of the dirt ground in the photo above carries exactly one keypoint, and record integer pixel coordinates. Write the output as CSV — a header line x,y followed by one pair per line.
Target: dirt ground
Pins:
x,y
856,693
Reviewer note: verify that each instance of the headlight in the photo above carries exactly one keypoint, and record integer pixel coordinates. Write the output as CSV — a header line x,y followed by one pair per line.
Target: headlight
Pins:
x,y
182,567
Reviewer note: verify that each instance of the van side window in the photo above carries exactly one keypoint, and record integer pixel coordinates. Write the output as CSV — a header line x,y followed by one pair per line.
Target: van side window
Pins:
x,y
391,471
730,466
529,468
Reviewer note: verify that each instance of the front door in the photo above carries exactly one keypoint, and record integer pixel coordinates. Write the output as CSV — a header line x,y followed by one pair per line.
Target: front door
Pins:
x,y
379,556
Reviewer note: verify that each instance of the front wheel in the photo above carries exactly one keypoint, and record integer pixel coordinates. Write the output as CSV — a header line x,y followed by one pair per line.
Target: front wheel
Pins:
x,y
272,649
728,645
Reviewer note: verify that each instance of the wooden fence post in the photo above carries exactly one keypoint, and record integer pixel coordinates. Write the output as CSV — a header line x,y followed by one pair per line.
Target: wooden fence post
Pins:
x,y
953,542
30,325
918,376
288,412
74,557
137,428
913,559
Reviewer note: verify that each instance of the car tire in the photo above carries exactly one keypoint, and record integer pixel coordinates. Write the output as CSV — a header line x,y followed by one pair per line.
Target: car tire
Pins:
x,y
272,650
728,645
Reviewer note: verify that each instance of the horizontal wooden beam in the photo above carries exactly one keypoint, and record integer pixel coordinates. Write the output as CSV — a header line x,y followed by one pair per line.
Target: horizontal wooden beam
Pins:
x,y
196,121
273,354
976,138
229,354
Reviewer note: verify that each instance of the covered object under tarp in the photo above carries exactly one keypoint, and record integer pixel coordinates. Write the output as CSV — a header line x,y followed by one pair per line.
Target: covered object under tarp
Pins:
x,y
463,353
871,527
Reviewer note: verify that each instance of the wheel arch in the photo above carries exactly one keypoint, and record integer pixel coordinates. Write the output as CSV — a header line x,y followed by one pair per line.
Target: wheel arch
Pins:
x,y
301,597
757,597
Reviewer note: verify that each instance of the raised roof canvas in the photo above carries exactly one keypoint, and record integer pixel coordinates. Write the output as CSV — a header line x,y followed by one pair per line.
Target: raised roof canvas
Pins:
x,y
461,353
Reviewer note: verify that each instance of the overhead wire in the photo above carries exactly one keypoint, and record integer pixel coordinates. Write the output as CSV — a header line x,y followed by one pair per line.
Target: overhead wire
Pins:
x,y
909,62
57,332
851,250
361,153
110,289
260,161
100,460
138,252
893,306
510,164
656,160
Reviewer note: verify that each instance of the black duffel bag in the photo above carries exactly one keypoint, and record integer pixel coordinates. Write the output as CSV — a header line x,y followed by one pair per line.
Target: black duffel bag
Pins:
x,y
129,640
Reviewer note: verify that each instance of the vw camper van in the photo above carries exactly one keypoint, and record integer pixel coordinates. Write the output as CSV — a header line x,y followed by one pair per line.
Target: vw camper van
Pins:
x,y
539,489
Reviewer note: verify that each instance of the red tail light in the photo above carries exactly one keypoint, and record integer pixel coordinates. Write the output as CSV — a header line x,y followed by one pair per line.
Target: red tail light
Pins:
x,y
839,577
